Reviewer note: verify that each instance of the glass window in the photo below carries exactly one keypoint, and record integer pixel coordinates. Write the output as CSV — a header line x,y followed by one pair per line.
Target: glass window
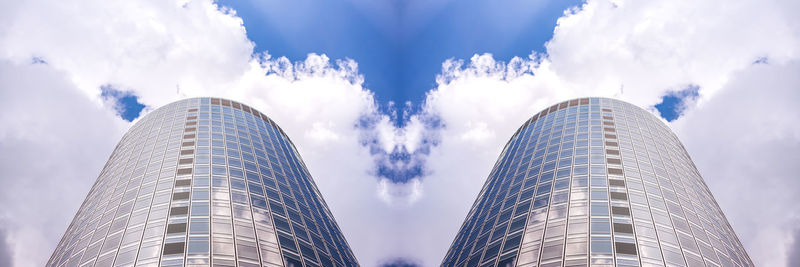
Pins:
x,y
618,196
599,209
624,211
512,242
200,194
600,194
198,246
199,226
576,246
600,227
176,228
601,246
580,181
173,248
561,184
200,209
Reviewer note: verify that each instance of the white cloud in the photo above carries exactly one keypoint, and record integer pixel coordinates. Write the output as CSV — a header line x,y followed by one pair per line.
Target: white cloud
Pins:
x,y
54,141
745,144
153,47
654,45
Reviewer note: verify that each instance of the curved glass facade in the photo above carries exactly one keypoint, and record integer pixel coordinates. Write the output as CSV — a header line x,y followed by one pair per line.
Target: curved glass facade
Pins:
x,y
201,182
598,182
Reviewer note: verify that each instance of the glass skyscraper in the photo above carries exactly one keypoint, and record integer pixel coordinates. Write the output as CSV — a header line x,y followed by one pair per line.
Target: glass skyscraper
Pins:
x,y
595,182
204,182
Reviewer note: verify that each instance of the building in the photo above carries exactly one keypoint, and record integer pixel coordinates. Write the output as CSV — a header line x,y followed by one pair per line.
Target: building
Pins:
x,y
201,182
598,182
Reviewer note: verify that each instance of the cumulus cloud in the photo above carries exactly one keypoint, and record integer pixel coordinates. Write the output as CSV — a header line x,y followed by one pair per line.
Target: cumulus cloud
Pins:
x,y
646,47
793,258
55,141
744,145
155,48
6,252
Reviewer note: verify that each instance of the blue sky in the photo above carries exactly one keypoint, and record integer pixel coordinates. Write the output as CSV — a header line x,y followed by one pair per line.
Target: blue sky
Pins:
x,y
399,45
703,65
673,104
127,104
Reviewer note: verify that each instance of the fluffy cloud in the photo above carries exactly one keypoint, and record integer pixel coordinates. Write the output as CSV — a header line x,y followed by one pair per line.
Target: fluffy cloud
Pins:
x,y
157,48
745,145
5,250
644,47
793,258
54,142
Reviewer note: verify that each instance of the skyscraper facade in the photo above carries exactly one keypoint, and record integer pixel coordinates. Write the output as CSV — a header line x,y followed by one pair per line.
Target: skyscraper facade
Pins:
x,y
598,182
199,182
